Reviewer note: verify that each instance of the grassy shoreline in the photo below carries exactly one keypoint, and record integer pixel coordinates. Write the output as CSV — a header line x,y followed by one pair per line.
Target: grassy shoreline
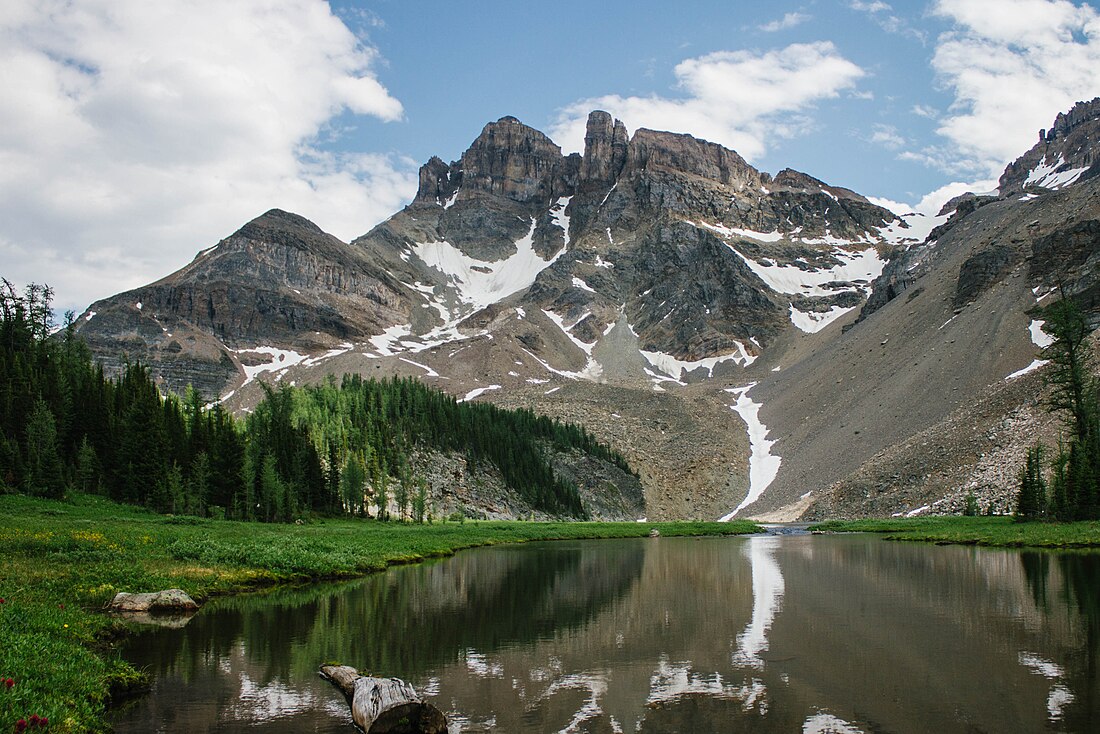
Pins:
x,y
63,561
1002,532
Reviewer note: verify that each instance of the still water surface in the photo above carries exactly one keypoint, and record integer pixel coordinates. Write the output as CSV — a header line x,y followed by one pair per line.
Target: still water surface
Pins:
x,y
762,634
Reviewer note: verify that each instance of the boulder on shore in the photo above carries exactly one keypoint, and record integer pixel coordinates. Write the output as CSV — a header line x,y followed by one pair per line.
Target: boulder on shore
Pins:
x,y
169,601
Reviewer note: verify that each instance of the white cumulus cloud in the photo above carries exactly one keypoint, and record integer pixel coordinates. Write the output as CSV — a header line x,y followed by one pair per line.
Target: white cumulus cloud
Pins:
x,y
741,99
1011,71
133,133
789,20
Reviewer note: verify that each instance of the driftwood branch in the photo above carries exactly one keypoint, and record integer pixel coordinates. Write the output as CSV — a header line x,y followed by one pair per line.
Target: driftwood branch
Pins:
x,y
383,705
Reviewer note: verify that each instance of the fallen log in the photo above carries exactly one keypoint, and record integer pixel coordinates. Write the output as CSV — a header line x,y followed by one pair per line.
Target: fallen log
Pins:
x,y
385,705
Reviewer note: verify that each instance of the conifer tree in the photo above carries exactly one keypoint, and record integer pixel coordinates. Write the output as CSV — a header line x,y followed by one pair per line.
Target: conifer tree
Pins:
x,y
44,475
1032,498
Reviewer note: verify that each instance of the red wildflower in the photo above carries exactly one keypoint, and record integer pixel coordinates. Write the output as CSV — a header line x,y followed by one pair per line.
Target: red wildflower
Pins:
x,y
21,725
34,720
43,722
2,600
10,682
60,606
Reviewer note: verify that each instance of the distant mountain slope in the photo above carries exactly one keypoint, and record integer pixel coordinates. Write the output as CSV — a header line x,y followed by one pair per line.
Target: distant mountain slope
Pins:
x,y
683,305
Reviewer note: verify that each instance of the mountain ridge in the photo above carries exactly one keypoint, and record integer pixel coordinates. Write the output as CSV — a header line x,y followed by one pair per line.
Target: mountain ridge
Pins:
x,y
650,264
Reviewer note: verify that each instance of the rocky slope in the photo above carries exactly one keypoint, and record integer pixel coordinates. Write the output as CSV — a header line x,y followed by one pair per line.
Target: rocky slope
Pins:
x,y
665,293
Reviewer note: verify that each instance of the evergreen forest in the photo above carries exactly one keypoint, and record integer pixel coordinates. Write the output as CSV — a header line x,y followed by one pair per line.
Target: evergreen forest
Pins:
x,y
355,447
1065,484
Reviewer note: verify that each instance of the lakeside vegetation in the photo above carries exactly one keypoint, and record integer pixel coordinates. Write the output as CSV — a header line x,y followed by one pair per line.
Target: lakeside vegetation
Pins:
x,y
63,560
1067,486
983,530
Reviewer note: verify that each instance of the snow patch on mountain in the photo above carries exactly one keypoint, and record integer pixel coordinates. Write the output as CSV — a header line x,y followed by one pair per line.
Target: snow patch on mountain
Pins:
x,y
737,232
763,465
1048,176
677,368
480,283
476,392
561,219
1040,339
856,267
812,322
279,361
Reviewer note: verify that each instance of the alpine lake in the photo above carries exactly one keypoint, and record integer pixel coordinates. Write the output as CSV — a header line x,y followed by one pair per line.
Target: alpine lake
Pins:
x,y
767,633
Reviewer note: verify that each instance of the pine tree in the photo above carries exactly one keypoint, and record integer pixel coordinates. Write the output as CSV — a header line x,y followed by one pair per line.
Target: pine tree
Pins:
x,y
353,480
1031,501
420,499
43,469
87,468
1076,468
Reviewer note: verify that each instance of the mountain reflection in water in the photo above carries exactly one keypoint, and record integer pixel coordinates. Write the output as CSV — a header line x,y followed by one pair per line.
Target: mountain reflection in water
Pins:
x,y
768,634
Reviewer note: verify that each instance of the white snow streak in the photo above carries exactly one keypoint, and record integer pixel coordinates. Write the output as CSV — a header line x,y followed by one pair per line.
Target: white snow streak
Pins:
x,y
428,371
736,232
763,465
560,217
1035,364
477,391
578,283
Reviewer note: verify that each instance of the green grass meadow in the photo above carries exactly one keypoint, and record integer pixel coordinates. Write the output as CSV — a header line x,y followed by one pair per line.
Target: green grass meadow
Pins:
x,y
989,531
61,562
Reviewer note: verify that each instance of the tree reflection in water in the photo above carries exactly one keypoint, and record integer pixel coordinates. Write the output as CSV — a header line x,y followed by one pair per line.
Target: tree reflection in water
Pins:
x,y
812,634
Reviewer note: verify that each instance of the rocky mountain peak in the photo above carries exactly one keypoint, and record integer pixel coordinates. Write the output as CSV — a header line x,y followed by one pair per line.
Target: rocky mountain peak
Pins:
x,y
278,223
655,150
512,160
605,145
791,180
1064,155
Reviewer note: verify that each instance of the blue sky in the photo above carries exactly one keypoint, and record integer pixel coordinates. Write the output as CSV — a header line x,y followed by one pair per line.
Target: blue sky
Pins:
x,y
133,134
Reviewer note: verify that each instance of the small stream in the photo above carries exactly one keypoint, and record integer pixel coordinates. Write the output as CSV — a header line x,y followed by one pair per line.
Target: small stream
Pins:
x,y
784,632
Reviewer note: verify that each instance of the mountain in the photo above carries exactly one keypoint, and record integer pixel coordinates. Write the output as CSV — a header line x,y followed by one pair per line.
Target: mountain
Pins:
x,y
664,293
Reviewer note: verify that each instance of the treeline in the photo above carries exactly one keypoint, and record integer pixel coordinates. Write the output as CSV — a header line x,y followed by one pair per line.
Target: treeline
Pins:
x,y
1065,484
331,449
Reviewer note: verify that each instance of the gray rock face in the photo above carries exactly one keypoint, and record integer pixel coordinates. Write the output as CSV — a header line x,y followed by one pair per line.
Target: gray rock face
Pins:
x,y
605,145
278,281
650,150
